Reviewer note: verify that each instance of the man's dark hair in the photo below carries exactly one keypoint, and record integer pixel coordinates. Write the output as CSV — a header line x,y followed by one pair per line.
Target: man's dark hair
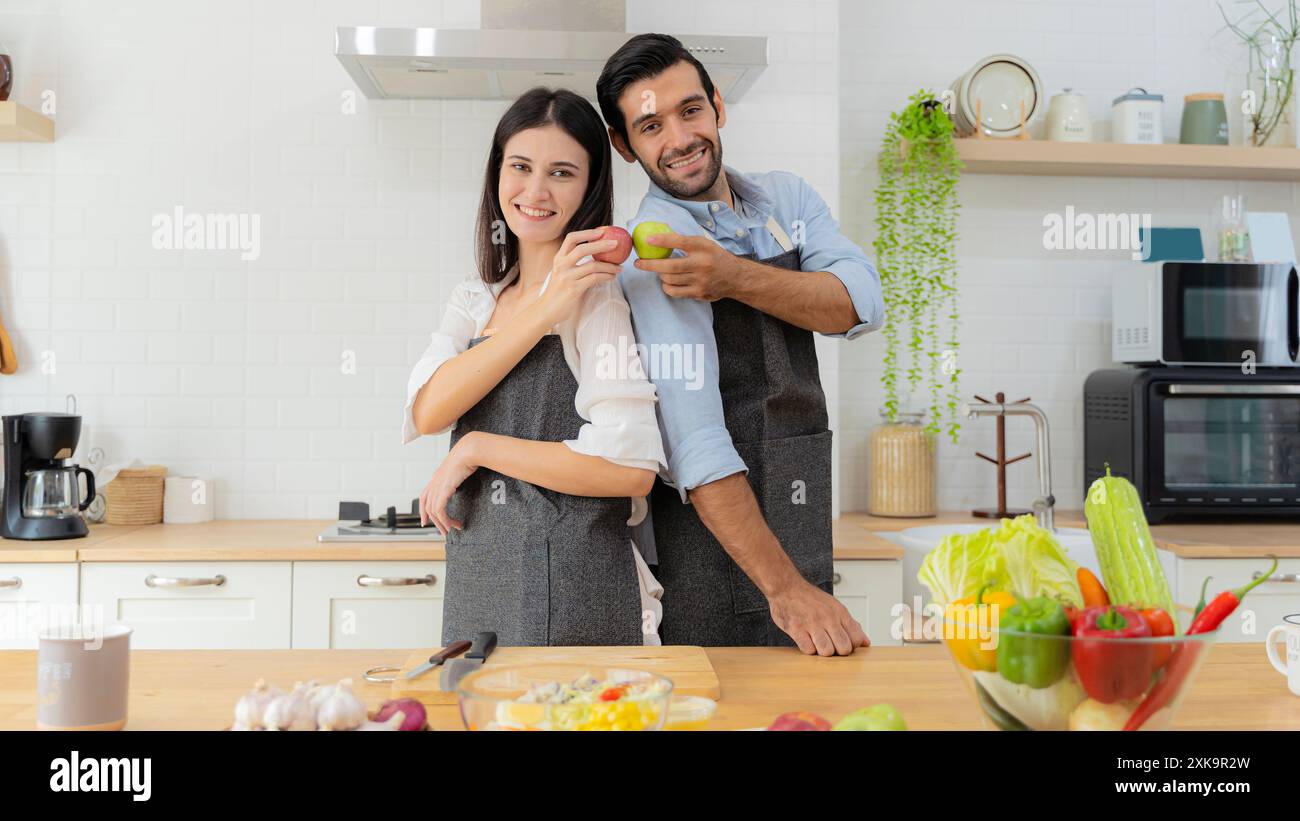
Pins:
x,y
645,55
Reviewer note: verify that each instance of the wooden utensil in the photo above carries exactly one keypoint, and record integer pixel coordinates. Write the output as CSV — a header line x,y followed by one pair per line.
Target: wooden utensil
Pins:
x,y
689,668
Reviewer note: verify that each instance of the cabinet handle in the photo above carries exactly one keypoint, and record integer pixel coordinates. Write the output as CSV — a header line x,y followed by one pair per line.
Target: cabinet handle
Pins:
x,y
836,578
397,581
11,584
1280,577
162,581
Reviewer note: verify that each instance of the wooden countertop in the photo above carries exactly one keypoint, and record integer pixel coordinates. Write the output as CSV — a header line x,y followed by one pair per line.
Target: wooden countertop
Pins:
x,y
197,689
295,540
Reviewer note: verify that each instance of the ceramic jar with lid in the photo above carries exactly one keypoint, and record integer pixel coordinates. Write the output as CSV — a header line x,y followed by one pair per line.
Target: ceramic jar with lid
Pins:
x,y
1067,118
1136,117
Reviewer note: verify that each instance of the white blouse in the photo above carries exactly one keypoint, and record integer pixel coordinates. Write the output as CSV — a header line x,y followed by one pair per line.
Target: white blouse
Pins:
x,y
615,398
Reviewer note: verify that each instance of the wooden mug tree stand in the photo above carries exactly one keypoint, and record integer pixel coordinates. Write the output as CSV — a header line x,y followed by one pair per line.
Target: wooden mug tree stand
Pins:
x,y
1001,462
979,124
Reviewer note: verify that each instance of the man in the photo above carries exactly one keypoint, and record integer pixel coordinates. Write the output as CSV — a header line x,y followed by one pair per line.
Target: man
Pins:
x,y
744,539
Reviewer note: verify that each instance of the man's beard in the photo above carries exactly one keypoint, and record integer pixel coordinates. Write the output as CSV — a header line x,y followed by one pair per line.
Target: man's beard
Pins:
x,y
686,189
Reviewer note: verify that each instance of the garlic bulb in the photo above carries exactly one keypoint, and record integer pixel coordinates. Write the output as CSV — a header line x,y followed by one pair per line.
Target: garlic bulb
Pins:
x,y
341,709
317,694
291,711
250,711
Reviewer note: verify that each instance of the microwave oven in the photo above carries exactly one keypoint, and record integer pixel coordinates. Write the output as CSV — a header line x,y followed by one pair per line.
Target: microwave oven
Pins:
x,y
1215,314
1197,442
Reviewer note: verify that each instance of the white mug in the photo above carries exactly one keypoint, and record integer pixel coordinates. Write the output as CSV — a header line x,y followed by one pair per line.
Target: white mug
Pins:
x,y
1290,629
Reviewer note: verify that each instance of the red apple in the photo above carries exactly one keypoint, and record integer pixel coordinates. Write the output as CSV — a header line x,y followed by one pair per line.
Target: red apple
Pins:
x,y
621,251
800,721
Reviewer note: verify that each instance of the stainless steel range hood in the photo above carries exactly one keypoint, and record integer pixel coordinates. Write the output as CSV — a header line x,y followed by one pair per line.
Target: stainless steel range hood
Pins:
x,y
522,43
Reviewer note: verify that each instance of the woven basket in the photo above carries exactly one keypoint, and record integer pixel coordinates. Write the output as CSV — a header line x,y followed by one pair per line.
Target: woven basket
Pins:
x,y
135,496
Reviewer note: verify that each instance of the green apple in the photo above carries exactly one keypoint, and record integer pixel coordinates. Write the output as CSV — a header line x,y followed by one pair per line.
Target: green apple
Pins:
x,y
645,250
876,717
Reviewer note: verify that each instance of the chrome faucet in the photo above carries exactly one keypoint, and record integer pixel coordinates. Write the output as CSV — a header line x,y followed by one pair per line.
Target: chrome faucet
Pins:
x,y
1044,504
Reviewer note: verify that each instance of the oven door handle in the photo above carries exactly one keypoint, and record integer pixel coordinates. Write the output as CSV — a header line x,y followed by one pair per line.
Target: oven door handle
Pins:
x,y
1192,389
1293,314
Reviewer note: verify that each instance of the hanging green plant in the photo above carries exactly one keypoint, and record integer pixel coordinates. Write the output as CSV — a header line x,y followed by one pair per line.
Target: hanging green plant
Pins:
x,y
916,256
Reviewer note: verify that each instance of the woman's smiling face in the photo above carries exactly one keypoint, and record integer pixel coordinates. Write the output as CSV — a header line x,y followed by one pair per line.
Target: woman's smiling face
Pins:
x,y
543,181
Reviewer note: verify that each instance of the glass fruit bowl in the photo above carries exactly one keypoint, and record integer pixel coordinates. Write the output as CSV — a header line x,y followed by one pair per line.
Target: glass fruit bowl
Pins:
x,y
564,697
1030,681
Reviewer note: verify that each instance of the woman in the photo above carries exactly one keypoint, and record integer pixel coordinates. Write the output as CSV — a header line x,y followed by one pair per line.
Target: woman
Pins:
x,y
550,441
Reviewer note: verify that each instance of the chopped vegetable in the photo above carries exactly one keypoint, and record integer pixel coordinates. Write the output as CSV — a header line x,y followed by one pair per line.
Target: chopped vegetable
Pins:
x,y
1030,648
1129,564
970,628
1094,595
1109,668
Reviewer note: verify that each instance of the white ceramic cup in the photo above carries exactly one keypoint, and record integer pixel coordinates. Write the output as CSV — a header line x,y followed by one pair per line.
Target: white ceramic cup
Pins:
x,y
1289,630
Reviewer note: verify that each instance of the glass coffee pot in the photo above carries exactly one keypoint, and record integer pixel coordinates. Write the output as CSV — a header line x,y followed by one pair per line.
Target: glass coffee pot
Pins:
x,y
51,492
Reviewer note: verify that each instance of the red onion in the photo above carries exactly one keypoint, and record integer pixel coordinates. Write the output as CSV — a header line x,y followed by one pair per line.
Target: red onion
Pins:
x,y
413,717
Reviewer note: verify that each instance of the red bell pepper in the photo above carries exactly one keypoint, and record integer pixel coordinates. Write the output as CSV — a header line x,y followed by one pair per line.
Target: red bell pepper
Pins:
x,y
1111,669
1162,624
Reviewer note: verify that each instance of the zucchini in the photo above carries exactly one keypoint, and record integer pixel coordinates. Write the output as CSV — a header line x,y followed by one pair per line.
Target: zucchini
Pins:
x,y
1126,552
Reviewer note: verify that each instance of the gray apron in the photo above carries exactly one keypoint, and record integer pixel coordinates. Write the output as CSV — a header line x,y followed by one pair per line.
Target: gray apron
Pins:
x,y
536,566
775,411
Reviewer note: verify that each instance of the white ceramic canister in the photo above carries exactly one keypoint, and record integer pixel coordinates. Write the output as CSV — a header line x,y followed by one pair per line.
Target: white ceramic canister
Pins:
x,y
1067,118
1137,117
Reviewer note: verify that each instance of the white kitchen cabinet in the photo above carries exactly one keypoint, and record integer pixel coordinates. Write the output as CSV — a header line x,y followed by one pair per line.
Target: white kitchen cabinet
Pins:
x,y
194,605
34,596
1261,609
384,604
870,589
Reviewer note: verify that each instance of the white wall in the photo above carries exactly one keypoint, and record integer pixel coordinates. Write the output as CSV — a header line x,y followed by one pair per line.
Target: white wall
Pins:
x,y
232,369
1034,322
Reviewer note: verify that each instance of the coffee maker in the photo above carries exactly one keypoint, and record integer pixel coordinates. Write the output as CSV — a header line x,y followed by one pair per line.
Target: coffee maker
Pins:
x,y
41,492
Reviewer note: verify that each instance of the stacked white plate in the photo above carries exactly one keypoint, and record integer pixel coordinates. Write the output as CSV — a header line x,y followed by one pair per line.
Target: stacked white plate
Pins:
x,y
999,84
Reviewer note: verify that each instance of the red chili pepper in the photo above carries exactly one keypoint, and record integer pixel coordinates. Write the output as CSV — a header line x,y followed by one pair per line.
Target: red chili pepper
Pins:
x,y
1110,669
1162,624
1186,654
1224,603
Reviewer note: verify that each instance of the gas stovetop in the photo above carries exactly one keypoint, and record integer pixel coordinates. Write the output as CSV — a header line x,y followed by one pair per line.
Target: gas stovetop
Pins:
x,y
356,525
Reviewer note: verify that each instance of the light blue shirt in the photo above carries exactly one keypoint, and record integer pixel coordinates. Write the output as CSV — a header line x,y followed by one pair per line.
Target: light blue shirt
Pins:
x,y
673,330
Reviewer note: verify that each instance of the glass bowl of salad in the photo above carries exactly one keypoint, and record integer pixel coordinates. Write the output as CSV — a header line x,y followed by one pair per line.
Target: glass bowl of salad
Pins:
x,y
1040,666
552,697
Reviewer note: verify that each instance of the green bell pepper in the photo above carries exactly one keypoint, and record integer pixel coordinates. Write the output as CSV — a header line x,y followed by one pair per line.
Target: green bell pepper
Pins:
x,y
1027,659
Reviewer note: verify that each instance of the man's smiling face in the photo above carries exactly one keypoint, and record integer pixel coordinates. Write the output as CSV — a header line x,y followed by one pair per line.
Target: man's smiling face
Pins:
x,y
672,130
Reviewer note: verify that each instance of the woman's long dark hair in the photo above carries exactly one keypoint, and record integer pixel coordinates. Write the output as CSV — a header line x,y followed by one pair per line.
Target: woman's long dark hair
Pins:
x,y
537,107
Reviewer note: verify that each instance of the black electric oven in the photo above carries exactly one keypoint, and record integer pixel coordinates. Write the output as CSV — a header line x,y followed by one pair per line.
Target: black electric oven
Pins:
x,y
1197,442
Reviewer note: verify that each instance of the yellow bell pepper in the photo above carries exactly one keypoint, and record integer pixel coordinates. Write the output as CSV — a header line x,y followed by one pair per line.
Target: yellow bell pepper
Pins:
x,y
970,625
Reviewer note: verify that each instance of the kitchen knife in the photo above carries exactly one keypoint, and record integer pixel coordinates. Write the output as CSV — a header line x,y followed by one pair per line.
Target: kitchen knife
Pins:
x,y
456,669
453,649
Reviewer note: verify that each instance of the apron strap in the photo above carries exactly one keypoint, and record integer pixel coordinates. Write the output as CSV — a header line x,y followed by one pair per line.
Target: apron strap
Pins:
x,y
778,233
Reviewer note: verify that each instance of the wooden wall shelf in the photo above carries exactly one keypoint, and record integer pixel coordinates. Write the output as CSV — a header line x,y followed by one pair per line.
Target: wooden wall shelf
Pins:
x,y
1209,162
20,124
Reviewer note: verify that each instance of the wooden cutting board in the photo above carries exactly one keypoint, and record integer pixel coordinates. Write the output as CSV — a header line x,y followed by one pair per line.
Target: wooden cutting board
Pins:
x,y
689,668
